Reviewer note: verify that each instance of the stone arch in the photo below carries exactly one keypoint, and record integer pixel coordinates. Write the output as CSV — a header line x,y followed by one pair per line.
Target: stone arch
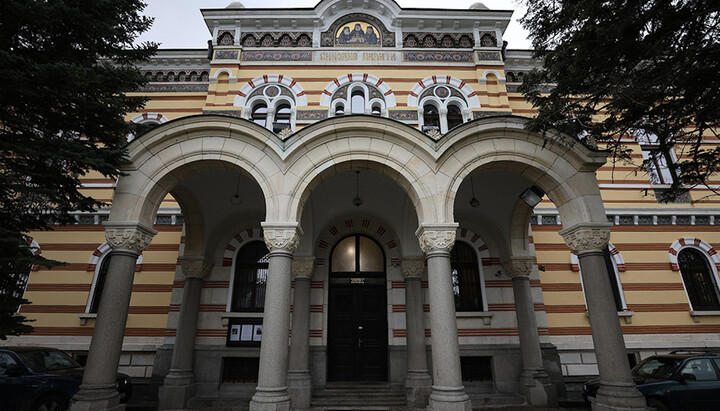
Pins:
x,y
151,117
382,86
167,154
693,242
366,224
289,82
361,143
221,72
483,79
614,254
562,167
467,91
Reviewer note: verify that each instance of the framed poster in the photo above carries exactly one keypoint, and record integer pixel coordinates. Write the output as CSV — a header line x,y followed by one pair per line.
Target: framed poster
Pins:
x,y
244,332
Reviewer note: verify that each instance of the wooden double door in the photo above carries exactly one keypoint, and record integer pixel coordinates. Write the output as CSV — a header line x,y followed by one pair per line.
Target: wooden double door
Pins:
x,y
357,322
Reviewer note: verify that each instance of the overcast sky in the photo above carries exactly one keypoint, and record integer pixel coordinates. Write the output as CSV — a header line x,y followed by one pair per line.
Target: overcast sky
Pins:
x,y
179,24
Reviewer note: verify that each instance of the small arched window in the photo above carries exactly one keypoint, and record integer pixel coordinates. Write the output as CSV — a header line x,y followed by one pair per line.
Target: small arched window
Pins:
x,y
431,118
259,114
699,280
376,111
250,278
282,118
614,280
98,285
357,102
339,110
466,278
454,116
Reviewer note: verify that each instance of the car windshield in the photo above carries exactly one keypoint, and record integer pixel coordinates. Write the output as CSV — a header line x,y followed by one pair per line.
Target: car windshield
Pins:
x,y
656,368
47,360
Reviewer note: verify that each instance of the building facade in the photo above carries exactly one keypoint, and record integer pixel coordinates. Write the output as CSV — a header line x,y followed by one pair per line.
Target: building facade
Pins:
x,y
345,197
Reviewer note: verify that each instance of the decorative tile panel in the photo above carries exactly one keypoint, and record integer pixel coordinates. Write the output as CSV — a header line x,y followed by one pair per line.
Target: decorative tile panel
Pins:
x,y
443,56
226,54
489,56
277,56
481,114
311,115
408,115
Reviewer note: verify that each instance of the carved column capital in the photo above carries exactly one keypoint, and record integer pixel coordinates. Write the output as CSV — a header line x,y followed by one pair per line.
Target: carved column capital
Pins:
x,y
128,236
436,237
586,237
195,266
282,236
302,268
412,267
520,266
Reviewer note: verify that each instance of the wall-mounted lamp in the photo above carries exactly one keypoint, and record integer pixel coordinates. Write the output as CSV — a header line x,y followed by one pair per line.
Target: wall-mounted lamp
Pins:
x,y
532,196
541,268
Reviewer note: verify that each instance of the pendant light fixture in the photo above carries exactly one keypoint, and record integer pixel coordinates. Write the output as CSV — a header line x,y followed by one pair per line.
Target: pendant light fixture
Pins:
x,y
235,199
474,202
357,201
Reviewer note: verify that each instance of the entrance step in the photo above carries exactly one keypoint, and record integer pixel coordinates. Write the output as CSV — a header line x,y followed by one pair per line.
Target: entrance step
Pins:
x,y
484,401
219,404
366,397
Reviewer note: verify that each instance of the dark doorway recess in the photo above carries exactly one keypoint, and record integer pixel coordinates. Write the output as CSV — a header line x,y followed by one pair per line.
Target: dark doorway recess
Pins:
x,y
357,312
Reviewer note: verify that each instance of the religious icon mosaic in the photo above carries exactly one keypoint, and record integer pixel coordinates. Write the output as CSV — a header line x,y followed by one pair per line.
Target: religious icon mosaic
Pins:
x,y
358,33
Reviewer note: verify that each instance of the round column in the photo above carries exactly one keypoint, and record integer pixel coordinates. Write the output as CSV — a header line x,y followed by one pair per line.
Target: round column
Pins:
x,y
418,383
271,392
448,393
97,391
179,384
617,390
299,380
534,381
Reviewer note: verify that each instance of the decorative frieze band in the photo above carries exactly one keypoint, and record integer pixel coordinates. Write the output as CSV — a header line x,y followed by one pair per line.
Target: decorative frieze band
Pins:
x,y
585,237
412,267
282,236
436,237
302,267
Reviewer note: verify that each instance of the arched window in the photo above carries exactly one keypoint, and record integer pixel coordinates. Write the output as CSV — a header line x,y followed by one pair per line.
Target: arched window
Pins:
x,y
614,280
250,278
98,285
454,116
357,102
282,118
357,254
699,280
466,278
431,118
376,111
259,114
13,283
339,110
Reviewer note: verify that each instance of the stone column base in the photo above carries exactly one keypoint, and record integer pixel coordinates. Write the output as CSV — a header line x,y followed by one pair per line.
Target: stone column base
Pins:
x,y
175,397
270,399
449,399
418,387
97,398
536,387
619,397
300,389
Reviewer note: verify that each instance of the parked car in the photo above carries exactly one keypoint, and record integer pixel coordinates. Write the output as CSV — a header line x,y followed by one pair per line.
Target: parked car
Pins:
x,y
43,379
681,380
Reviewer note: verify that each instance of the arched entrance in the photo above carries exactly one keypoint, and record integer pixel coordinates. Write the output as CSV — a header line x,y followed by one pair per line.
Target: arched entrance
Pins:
x,y
357,312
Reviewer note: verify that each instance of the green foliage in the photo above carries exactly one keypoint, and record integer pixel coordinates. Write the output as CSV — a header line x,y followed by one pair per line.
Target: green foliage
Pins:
x,y
642,68
65,67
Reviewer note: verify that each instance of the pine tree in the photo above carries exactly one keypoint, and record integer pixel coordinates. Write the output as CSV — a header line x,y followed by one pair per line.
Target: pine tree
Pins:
x,y
66,66
648,69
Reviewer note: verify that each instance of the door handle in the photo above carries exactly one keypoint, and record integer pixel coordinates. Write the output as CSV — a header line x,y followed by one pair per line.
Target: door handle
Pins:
x,y
359,343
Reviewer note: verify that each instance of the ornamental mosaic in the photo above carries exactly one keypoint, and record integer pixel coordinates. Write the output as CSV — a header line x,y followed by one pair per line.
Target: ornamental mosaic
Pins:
x,y
271,91
311,115
437,40
161,88
444,56
357,29
226,54
266,39
407,115
229,113
489,56
481,114
358,33
277,56
442,92
183,76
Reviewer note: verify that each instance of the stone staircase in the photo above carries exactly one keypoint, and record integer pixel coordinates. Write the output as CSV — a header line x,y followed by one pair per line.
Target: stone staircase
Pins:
x,y
357,397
